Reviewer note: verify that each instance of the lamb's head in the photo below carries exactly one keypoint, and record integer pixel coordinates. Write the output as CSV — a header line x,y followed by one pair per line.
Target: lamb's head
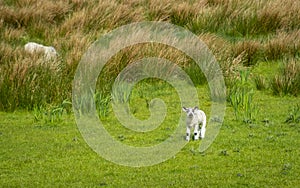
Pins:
x,y
50,52
190,112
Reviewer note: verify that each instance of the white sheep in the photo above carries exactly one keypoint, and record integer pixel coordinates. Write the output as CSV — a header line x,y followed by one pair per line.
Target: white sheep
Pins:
x,y
35,48
194,118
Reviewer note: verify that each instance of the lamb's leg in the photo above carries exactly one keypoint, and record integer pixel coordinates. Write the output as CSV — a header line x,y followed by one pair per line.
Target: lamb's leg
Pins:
x,y
196,132
188,132
203,129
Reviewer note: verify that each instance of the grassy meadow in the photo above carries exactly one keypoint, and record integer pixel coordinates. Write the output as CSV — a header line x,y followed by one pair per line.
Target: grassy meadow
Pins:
x,y
257,44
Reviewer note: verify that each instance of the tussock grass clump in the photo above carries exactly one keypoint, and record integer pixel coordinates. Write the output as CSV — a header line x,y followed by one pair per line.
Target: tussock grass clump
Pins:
x,y
260,82
186,12
219,46
240,97
73,47
50,114
106,15
158,10
135,53
28,13
288,81
281,14
29,83
294,114
250,52
284,44
247,18
7,53
276,47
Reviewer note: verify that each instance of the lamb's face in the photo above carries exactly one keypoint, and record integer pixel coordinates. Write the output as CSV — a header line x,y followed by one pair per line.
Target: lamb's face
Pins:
x,y
52,50
190,112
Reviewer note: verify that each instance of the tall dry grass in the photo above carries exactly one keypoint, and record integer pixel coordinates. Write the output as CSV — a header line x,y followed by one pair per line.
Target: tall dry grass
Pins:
x,y
283,44
133,54
25,13
27,84
239,33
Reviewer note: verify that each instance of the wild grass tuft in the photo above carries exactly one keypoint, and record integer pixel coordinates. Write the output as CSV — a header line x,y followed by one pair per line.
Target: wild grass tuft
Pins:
x,y
121,92
288,81
241,98
27,84
283,44
250,52
28,13
52,114
260,82
102,102
294,114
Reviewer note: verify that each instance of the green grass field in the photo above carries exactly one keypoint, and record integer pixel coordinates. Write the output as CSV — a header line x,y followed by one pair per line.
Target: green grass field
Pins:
x,y
261,154
257,44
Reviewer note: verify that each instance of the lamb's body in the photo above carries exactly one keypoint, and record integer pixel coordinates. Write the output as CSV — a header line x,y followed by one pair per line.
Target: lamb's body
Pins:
x,y
194,118
48,51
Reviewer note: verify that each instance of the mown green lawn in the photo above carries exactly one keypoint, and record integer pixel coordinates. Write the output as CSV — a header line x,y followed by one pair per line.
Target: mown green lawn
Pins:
x,y
264,153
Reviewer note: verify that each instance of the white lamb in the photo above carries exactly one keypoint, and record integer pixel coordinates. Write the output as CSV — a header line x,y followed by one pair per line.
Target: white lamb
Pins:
x,y
194,118
35,48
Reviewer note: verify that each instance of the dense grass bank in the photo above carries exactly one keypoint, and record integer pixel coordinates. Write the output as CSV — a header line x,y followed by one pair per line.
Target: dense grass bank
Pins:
x,y
240,33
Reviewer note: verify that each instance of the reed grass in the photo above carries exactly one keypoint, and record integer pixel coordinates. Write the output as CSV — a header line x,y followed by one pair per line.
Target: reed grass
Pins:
x,y
241,98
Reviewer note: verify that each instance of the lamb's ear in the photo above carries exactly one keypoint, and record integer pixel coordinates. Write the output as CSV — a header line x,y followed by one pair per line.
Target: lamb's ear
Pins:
x,y
184,109
196,108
